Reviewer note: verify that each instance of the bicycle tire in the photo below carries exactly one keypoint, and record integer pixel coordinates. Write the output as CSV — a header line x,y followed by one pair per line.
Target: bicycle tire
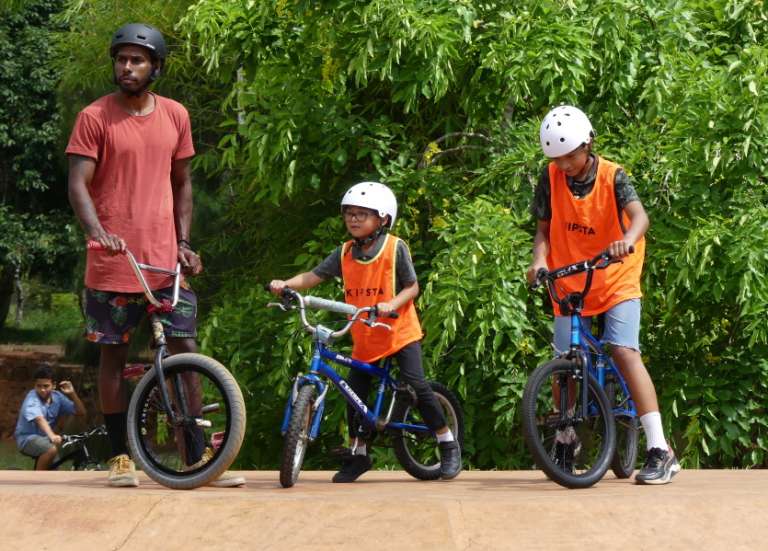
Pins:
x,y
161,458
627,434
596,434
418,453
297,436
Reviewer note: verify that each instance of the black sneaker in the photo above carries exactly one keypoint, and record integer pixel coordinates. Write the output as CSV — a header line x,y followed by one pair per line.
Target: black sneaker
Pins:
x,y
660,466
352,467
563,456
450,459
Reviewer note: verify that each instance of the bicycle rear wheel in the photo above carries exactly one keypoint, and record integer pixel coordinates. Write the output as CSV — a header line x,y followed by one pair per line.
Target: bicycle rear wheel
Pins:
x,y
418,452
627,431
573,451
210,406
297,437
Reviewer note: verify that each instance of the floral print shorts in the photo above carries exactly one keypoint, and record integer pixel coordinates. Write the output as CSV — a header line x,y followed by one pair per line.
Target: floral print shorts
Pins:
x,y
112,317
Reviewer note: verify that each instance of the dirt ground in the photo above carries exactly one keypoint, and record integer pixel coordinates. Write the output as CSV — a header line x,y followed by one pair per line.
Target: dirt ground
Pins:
x,y
386,510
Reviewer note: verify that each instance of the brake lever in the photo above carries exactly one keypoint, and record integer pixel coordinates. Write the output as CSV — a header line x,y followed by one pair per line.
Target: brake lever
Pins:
x,y
283,307
377,324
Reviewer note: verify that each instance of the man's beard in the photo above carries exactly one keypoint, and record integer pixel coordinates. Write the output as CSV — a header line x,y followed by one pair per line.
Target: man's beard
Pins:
x,y
133,92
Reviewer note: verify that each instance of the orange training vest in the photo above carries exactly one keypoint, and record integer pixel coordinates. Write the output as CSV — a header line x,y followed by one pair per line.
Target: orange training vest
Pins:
x,y
368,282
581,229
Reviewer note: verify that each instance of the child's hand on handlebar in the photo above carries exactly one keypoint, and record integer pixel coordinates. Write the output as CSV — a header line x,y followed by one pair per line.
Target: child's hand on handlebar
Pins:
x,y
620,249
276,286
533,270
384,308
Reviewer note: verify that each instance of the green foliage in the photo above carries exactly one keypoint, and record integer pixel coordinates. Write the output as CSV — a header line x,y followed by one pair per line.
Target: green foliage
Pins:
x,y
49,317
441,100
34,235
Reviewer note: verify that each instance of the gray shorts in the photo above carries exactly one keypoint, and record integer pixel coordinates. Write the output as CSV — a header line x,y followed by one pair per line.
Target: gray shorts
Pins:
x,y
36,446
622,327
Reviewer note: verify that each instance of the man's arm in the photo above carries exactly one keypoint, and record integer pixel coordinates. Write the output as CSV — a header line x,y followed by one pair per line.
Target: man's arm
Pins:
x,y
181,180
81,170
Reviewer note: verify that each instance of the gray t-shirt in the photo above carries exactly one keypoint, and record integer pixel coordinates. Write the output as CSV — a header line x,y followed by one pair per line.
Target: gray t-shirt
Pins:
x,y
541,207
405,273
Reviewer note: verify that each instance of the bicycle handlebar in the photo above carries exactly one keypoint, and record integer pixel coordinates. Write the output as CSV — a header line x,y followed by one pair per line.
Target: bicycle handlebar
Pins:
x,y
317,303
138,267
69,439
599,262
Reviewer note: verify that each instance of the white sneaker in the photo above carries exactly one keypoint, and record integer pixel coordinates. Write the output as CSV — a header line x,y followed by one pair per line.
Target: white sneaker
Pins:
x,y
226,480
122,472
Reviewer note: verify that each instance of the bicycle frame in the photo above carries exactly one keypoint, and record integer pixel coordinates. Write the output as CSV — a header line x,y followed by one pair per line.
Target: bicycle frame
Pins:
x,y
80,443
320,368
582,342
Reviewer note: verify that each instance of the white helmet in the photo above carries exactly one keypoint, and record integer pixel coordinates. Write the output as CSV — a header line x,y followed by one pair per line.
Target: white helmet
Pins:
x,y
374,196
563,130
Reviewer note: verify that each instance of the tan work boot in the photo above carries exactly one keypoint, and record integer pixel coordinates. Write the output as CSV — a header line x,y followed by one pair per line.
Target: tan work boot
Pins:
x,y
122,472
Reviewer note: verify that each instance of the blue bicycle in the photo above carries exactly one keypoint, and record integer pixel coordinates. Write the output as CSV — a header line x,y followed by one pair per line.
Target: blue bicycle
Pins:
x,y
579,418
414,444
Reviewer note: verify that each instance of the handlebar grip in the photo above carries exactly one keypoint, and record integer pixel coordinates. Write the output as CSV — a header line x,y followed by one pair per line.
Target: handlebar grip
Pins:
x,y
92,245
393,315
631,249
330,305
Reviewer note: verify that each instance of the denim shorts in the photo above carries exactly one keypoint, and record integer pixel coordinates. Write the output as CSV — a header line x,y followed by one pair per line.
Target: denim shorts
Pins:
x,y
110,318
622,327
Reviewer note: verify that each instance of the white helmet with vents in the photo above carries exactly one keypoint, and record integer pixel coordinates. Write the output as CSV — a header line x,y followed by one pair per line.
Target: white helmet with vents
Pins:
x,y
374,196
564,129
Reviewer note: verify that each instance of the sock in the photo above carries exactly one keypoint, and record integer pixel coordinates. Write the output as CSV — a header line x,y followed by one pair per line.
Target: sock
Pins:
x,y
361,450
445,437
654,432
116,431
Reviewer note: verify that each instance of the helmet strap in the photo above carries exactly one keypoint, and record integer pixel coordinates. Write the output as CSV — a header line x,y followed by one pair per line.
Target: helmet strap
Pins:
x,y
365,241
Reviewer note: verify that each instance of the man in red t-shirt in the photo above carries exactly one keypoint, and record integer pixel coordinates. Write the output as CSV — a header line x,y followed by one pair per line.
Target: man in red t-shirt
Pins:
x,y
130,187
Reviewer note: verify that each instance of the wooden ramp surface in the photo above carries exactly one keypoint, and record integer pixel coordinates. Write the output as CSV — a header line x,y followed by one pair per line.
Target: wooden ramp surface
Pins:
x,y
61,511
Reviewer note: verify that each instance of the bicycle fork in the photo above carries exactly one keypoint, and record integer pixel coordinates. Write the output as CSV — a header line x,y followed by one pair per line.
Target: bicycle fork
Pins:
x,y
161,353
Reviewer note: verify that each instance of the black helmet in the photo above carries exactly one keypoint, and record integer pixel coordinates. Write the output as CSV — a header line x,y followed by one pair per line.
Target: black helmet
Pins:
x,y
140,34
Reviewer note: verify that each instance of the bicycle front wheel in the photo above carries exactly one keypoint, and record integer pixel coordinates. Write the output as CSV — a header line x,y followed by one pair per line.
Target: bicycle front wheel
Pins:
x,y
418,452
297,437
210,427
572,449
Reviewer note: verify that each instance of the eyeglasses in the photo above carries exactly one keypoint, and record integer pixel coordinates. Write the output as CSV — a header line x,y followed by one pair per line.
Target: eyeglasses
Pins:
x,y
359,216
